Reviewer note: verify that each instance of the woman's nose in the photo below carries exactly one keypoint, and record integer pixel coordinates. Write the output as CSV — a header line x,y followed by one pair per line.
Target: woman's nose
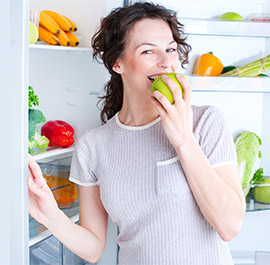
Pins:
x,y
164,60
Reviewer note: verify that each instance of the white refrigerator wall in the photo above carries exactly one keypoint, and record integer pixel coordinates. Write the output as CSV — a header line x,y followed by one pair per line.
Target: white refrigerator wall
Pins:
x,y
67,85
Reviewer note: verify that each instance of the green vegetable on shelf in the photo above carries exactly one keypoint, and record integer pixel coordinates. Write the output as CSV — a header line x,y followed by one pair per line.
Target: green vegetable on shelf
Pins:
x,y
227,69
33,99
35,140
258,176
263,75
248,150
35,120
251,69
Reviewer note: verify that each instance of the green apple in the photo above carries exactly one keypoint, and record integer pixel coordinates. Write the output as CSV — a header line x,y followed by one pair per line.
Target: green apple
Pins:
x,y
230,16
33,33
262,193
159,85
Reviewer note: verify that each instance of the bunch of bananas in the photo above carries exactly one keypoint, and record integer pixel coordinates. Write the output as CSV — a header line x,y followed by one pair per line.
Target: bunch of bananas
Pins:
x,y
56,29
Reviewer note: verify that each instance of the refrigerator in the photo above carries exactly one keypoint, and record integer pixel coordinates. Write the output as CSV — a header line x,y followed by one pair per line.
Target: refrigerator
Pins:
x,y
68,83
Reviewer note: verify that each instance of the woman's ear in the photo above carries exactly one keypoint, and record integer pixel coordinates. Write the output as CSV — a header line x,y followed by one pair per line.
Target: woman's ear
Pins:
x,y
117,67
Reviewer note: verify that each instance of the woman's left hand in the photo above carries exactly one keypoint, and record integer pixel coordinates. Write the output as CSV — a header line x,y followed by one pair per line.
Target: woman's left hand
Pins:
x,y
176,118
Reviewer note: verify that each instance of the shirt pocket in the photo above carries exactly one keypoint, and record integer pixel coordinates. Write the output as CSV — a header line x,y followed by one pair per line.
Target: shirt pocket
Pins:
x,y
169,178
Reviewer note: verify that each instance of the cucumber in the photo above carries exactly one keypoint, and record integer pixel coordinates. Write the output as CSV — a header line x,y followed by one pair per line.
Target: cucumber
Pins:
x,y
227,69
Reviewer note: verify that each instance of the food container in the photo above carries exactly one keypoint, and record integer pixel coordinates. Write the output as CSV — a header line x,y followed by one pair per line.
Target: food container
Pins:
x,y
56,173
33,26
264,17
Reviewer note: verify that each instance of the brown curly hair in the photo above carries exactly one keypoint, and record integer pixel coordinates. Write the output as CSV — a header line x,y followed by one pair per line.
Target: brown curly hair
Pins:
x,y
109,41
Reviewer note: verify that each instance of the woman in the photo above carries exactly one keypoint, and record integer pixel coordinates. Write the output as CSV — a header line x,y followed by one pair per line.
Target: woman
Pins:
x,y
165,173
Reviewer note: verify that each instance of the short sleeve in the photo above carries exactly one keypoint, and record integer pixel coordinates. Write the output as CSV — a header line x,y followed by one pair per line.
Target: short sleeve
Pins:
x,y
81,171
216,139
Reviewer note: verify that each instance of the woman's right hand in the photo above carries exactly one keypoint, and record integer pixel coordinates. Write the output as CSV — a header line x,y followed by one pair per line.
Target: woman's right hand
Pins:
x,y
42,205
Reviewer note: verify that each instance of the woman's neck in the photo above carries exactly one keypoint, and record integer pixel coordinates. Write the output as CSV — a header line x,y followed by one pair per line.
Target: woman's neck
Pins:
x,y
137,112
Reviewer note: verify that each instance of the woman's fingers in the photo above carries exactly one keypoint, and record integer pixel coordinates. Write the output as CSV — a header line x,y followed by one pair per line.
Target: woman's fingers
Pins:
x,y
187,91
163,102
157,105
35,172
176,91
36,189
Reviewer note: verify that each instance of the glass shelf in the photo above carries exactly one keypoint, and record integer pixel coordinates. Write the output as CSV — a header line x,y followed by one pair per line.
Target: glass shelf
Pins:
x,y
255,206
54,153
229,84
58,48
194,26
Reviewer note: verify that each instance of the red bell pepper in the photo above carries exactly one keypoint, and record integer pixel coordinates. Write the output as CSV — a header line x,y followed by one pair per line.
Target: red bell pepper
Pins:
x,y
59,133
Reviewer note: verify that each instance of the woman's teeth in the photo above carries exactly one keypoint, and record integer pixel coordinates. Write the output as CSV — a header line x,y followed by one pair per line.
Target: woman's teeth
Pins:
x,y
152,77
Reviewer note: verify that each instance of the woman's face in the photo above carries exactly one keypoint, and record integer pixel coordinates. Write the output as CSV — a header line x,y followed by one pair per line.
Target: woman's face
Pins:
x,y
150,51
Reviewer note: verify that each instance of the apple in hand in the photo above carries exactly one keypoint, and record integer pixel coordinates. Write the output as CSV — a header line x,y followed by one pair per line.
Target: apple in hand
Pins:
x,y
159,85
230,16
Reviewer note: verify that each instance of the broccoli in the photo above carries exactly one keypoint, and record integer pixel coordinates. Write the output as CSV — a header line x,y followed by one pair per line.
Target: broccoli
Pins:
x,y
35,119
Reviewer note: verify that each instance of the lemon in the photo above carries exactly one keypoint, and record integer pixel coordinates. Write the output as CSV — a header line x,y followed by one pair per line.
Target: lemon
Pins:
x,y
262,193
33,33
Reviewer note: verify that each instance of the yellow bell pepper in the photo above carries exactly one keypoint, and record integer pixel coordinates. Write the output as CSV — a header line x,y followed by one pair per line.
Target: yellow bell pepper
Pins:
x,y
208,64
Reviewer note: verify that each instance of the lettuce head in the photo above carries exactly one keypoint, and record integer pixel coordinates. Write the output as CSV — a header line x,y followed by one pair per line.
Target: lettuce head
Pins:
x,y
248,151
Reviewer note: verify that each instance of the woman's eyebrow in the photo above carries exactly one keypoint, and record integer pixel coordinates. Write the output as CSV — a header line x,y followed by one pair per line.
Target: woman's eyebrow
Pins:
x,y
152,44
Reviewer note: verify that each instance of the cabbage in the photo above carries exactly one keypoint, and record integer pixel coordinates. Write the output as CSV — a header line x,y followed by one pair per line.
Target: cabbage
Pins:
x,y
247,150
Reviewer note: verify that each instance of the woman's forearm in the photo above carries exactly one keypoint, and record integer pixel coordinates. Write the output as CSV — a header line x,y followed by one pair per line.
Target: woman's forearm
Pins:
x,y
222,206
76,238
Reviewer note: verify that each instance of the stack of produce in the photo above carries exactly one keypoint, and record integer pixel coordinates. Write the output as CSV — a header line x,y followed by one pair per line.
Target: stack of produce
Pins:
x,y
56,29
209,65
252,69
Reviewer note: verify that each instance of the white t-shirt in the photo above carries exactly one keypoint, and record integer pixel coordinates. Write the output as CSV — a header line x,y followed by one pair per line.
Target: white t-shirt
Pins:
x,y
144,190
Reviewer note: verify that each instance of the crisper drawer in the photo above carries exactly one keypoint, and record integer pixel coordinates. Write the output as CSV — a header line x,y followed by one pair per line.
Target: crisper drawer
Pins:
x,y
56,173
53,252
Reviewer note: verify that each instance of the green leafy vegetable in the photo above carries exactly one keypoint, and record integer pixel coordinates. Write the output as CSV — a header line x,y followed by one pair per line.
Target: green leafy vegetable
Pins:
x,y
35,140
258,176
248,150
33,99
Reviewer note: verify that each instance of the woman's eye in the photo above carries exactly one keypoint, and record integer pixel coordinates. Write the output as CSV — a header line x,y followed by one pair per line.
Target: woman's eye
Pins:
x,y
171,50
147,52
